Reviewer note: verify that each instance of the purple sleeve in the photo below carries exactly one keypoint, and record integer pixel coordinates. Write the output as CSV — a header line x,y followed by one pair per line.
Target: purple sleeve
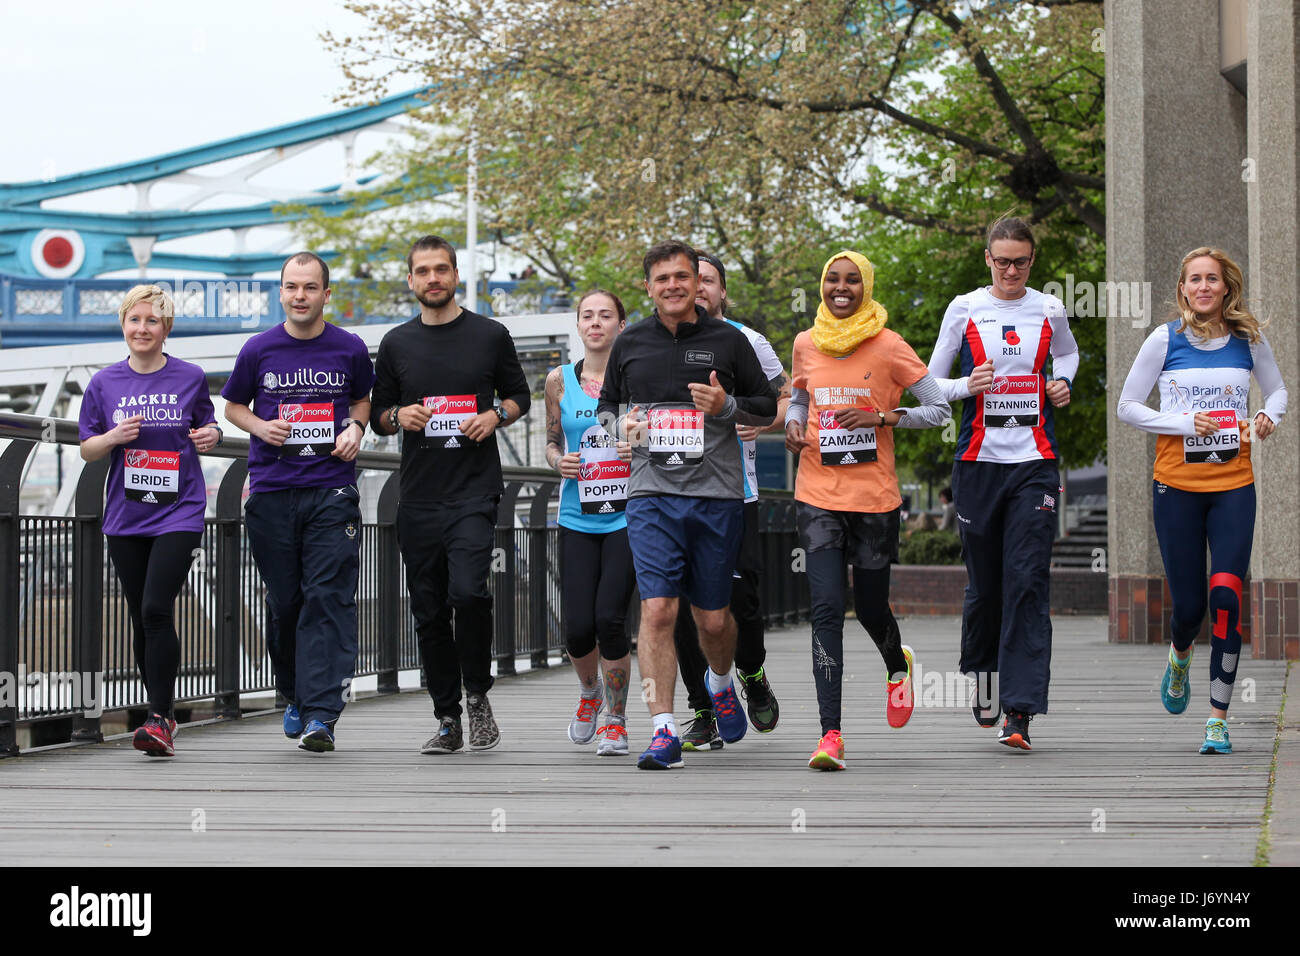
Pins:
x,y
91,421
204,413
363,370
242,386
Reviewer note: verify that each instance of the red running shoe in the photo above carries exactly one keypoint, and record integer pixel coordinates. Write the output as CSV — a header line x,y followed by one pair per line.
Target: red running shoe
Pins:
x,y
154,737
829,754
899,700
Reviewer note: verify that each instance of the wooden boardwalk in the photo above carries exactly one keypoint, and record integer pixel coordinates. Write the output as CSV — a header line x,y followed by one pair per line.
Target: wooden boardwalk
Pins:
x,y
940,791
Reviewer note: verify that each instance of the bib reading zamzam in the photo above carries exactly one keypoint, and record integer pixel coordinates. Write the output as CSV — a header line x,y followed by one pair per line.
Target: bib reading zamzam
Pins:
x,y
844,446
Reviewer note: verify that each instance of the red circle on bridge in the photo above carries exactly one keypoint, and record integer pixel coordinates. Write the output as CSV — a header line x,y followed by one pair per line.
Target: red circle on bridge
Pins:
x,y
57,252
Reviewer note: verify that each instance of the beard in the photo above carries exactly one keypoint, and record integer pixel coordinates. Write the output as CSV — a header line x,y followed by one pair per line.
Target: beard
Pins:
x,y
435,301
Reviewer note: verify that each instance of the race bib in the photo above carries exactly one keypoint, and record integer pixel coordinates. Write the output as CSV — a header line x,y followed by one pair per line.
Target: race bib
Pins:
x,y
311,430
443,428
675,435
1012,402
602,477
151,477
844,446
1222,446
749,451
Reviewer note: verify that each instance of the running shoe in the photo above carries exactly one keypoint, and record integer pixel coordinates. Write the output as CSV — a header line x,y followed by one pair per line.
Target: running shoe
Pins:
x,y
316,737
727,712
447,740
829,754
613,738
1216,737
483,732
664,752
1015,732
582,729
1176,685
702,733
898,696
292,721
154,737
759,700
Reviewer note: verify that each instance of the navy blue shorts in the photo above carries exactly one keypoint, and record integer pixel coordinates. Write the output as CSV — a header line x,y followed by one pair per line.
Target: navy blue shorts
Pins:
x,y
686,547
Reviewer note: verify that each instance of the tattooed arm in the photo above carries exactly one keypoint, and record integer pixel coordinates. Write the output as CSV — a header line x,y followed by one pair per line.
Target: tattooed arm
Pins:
x,y
566,465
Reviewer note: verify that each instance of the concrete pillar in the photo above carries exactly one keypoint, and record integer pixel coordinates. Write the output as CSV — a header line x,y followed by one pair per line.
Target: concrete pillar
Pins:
x,y
1273,287
1175,143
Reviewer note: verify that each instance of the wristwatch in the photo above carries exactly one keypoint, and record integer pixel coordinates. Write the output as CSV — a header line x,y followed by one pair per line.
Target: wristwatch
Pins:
x,y
502,415
353,421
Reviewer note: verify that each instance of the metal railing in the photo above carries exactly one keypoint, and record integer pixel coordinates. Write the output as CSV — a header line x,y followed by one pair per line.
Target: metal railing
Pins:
x,y
62,614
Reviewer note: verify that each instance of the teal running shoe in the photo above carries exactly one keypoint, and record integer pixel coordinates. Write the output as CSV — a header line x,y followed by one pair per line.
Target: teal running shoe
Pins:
x,y
1216,737
1176,686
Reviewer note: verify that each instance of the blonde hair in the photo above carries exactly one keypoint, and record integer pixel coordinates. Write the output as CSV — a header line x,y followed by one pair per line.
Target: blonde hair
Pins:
x,y
1239,320
163,307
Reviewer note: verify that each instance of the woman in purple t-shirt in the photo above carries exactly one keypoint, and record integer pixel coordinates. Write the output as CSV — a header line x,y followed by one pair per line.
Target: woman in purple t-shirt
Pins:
x,y
152,414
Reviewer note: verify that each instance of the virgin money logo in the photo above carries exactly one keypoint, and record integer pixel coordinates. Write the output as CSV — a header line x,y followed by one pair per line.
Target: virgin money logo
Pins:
x,y
590,471
828,420
438,404
1001,385
136,458
291,413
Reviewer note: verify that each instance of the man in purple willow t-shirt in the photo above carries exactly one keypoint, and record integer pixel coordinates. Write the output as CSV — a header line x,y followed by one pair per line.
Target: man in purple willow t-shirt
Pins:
x,y
308,385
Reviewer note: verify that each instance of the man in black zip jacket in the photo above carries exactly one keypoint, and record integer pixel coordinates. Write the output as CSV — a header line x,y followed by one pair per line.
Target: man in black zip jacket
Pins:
x,y
676,385
435,380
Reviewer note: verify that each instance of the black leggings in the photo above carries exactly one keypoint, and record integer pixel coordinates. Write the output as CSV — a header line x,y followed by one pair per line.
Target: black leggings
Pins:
x,y
871,601
596,587
152,571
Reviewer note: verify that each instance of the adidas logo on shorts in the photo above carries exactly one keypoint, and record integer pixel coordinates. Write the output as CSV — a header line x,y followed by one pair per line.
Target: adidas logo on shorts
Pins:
x,y
1010,423
674,459
1213,456
605,509
848,459
306,452
148,496
452,443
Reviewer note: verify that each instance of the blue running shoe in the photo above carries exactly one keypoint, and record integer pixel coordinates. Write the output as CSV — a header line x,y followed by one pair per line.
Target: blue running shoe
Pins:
x,y
317,738
1216,737
292,721
664,753
729,715
1176,686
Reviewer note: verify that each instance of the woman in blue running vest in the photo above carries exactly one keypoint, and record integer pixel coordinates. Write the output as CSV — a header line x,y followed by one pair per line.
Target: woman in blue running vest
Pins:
x,y
1204,487
596,577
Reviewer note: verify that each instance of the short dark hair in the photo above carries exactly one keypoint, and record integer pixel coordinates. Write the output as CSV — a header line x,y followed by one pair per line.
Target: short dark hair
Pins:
x,y
711,259
1010,227
304,259
430,242
663,251
946,493
618,303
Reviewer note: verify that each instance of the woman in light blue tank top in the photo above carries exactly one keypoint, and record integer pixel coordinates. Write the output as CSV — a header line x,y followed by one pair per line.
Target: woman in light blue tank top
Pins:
x,y
596,577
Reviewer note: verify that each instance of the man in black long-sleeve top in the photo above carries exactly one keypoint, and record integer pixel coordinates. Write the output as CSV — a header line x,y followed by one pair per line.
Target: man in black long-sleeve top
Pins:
x,y
435,380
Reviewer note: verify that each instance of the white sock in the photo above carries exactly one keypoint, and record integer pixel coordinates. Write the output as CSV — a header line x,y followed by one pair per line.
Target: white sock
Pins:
x,y
664,720
717,683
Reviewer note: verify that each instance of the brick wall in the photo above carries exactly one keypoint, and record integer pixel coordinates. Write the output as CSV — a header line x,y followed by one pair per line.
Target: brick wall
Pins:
x,y
939,589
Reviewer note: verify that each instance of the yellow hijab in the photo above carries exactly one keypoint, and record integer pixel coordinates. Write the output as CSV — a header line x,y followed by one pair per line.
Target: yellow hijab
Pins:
x,y
839,337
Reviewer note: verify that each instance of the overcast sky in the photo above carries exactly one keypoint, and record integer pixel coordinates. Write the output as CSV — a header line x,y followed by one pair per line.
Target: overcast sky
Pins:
x,y
76,74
